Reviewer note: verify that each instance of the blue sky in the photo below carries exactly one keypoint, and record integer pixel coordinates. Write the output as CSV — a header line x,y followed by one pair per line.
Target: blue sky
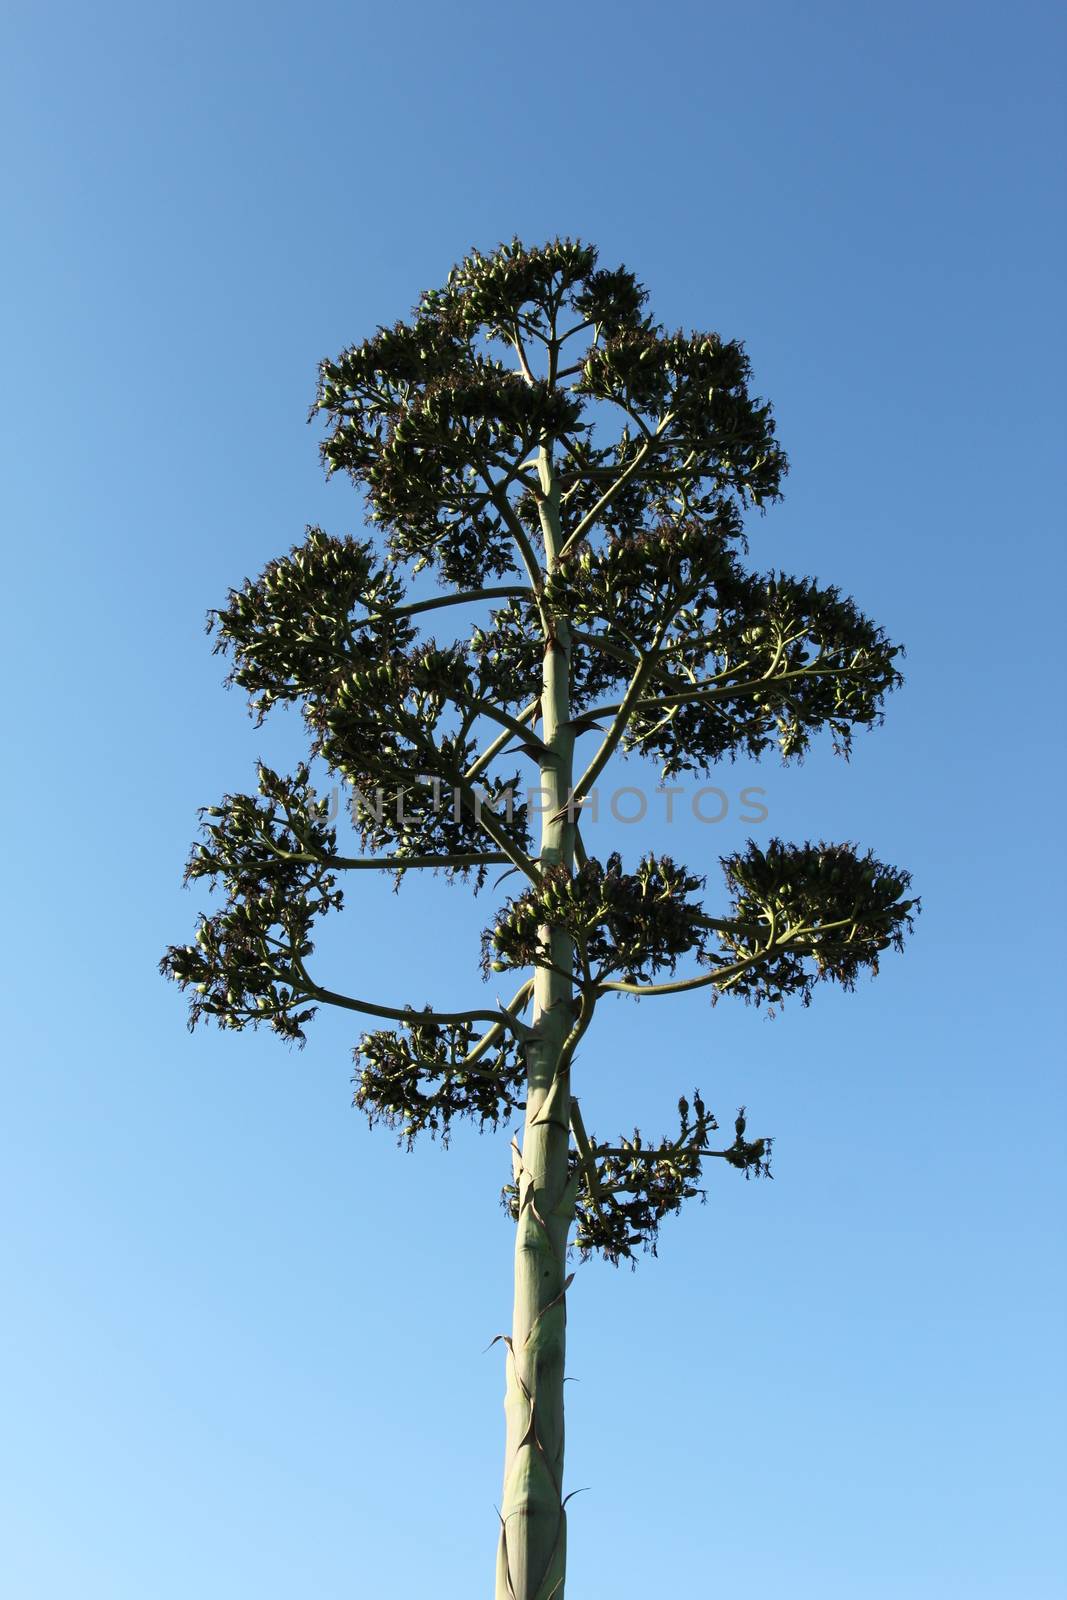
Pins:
x,y
243,1344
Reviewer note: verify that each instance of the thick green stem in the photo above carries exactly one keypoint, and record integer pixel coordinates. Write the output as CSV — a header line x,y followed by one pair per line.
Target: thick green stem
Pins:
x,y
533,1535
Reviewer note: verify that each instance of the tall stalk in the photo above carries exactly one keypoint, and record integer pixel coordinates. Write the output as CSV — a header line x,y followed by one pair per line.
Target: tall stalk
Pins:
x,y
532,1552
679,653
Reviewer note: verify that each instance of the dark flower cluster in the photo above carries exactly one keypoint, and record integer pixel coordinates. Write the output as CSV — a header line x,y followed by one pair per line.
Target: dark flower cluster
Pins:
x,y
806,913
419,1079
320,626
387,724
744,662
637,1193
631,923
308,617
440,432
636,1184
625,1191
271,855
421,485
688,393
437,450
509,653
780,660
382,720
671,573
528,288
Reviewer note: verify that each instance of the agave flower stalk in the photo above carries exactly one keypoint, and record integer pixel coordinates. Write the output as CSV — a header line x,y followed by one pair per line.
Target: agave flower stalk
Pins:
x,y
577,478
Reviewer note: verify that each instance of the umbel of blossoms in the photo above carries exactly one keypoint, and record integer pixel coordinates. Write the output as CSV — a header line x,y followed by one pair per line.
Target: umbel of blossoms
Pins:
x,y
575,475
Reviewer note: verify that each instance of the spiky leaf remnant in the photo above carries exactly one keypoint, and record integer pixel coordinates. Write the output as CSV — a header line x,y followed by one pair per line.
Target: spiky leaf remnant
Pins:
x,y
576,477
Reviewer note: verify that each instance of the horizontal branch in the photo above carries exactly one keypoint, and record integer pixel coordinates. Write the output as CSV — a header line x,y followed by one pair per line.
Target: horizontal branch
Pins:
x,y
405,1014
486,858
792,939
623,1153
384,863
723,691
468,596
720,691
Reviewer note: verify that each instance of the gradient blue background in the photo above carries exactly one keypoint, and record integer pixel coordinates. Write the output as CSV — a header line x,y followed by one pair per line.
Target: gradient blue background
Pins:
x,y
242,1343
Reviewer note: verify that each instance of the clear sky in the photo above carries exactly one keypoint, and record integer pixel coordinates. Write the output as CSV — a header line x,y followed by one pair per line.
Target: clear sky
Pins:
x,y
243,1340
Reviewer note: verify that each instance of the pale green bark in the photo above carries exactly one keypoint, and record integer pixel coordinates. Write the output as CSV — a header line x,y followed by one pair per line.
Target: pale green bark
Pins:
x,y
532,1551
